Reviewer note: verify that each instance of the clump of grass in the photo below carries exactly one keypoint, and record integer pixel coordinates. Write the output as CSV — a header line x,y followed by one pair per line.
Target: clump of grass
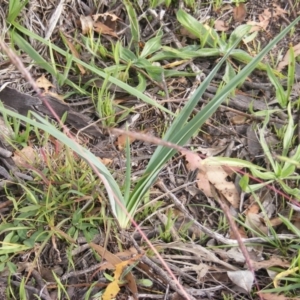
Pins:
x,y
51,207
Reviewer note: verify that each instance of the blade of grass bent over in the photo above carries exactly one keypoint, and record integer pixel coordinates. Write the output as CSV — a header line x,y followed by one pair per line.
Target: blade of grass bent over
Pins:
x,y
85,154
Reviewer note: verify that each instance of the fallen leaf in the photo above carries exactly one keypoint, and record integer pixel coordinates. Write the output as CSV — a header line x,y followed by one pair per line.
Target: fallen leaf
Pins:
x,y
87,24
212,151
277,11
75,53
44,83
26,156
264,18
113,288
218,177
220,25
235,254
241,231
214,174
273,261
114,260
184,32
255,222
106,15
108,19
269,296
201,270
106,161
55,95
253,209
193,160
257,26
244,279
238,120
239,12
111,291
103,29
285,60
203,184
121,141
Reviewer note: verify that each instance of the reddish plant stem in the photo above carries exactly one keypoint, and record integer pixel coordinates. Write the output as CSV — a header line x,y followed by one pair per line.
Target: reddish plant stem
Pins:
x,y
222,202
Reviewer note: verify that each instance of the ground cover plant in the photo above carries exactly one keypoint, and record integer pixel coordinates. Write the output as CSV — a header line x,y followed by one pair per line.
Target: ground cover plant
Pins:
x,y
149,150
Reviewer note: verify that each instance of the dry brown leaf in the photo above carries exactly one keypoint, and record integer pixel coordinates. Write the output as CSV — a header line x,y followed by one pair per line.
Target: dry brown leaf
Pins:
x,y
121,141
257,26
193,160
87,24
253,209
285,60
184,32
103,29
278,11
244,279
255,222
108,19
26,156
105,16
238,120
218,177
264,18
273,261
220,25
241,231
212,151
44,83
214,174
114,260
201,270
106,161
127,253
269,296
75,53
239,12
55,95
203,184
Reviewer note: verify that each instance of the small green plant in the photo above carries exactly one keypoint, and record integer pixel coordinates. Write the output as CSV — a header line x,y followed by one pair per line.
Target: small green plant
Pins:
x,y
216,46
184,126
282,95
280,171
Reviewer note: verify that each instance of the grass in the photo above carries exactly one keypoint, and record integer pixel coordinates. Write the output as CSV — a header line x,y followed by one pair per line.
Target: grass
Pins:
x,y
73,193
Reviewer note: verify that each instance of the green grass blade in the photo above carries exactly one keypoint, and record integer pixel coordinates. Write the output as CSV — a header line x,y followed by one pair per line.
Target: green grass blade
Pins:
x,y
134,24
179,135
85,154
131,90
199,30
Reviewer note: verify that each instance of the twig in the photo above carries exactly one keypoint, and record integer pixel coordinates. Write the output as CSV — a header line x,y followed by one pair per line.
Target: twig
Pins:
x,y
162,273
214,235
77,273
221,200
32,289
42,285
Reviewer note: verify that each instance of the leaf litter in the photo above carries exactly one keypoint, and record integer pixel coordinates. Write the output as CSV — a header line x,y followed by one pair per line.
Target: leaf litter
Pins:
x,y
206,262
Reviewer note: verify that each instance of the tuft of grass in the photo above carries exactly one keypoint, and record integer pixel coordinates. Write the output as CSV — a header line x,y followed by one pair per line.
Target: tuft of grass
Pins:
x,y
182,127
